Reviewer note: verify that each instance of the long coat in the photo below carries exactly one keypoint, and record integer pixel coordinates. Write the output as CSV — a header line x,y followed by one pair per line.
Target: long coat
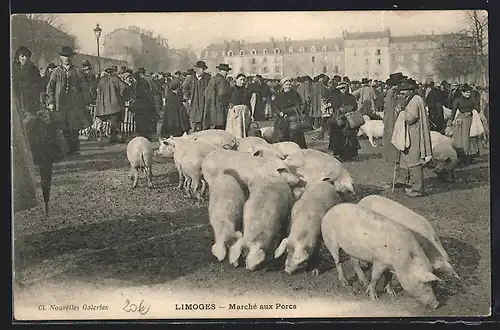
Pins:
x,y
420,150
110,96
365,97
305,91
90,88
217,96
66,91
175,117
194,91
392,100
27,85
318,93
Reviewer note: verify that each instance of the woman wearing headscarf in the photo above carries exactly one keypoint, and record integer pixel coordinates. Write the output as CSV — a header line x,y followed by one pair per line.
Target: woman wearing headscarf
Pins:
x,y
285,104
239,115
343,140
175,117
27,83
462,110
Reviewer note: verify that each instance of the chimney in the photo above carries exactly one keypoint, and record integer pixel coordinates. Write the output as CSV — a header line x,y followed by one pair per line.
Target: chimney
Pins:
x,y
272,43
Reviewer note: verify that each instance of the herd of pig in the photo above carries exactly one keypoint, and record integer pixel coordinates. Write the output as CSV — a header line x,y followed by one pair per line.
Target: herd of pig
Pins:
x,y
265,200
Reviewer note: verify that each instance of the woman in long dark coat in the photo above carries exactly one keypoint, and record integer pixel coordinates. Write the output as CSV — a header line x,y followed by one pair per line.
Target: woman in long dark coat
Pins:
x,y
175,117
343,139
284,104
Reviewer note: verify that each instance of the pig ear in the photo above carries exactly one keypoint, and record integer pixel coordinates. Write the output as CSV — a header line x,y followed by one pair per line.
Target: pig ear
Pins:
x,y
429,277
283,169
327,179
257,153
281,248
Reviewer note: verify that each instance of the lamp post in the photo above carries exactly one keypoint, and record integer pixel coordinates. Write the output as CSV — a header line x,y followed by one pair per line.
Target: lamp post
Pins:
x,y
97,32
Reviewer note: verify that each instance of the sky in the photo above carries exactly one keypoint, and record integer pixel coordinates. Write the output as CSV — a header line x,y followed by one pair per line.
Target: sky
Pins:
x,y
198,30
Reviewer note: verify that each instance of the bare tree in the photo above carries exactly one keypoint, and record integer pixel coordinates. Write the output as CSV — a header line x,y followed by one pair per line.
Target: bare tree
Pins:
x,y
465,53
42,33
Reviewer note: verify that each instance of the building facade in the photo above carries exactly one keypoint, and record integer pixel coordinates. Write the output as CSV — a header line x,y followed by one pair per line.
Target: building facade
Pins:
x,y
357,55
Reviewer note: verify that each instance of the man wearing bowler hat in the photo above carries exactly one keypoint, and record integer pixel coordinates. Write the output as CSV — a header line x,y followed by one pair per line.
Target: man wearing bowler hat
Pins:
x,y
365,97
65,97
217,96
193,90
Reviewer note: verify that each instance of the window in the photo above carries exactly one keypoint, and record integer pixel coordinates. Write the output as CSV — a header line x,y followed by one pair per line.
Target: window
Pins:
x,y
277,51
265,69
230,53
324,69
313,49
222,53
313,59
264,60
253,61
366,52
290,49
254,71
301,49
367,62
377,52
253,52
379,61
264,52
336,69
336,48
278,68
324,48
242,52
206,54
399,58
240,70
414,57
414,46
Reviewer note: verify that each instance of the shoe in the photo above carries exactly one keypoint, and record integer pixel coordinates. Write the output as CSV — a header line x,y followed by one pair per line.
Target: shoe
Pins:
x,y
413,193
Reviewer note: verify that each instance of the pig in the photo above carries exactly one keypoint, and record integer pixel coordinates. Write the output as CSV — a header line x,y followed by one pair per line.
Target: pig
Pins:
x,y
447,161
188,155
217,137
140,156
303,242
225,211
247,166
287,147
267,133
372,237
425,234
372,129
251,144
264,219
437,137
313,165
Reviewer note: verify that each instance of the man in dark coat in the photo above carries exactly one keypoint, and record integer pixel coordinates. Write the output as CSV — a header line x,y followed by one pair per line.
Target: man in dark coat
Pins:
x,y
217,96
259,93
175,118
65,95
110,105
142,104
193,90
90,83
435,101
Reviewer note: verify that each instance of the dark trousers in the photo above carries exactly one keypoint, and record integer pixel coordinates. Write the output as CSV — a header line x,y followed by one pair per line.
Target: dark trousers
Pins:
x,y
323,127
195,127
145,125
72,137
114,125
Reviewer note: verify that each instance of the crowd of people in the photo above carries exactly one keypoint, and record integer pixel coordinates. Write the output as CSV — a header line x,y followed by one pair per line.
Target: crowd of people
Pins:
x,y
63,96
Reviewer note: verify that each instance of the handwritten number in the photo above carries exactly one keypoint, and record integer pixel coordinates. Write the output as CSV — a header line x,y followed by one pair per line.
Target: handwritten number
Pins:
x,y
130,307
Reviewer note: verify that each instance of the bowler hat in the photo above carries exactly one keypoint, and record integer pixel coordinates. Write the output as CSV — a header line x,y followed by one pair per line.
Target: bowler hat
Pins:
x,y
395,78
109,70
86,63
190,71
337,78
346,79
223,67
67,51
201,65
407,84
51,66
141,70
466,88
364,81
307,78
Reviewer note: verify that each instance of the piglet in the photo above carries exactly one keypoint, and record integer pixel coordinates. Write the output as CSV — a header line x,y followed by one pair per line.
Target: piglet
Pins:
x,y
140,156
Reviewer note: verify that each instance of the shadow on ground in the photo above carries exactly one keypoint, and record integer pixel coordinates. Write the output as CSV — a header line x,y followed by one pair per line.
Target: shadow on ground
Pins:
x,y
147,250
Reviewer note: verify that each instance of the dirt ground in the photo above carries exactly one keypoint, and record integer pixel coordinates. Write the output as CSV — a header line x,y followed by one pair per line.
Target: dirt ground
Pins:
x,y
104,243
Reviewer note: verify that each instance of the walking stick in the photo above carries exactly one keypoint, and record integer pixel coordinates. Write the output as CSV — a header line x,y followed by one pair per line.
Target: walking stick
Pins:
x,y
396,162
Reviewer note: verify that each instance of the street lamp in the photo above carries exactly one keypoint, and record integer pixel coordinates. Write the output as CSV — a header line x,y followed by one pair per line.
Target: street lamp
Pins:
x,y
97,32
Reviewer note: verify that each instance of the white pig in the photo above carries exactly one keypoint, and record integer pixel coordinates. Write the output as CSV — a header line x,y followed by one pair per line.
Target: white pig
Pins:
x,y
287,147
437,137
251,144
369,236
140,156
303,242
264,217
447,160
313,165
247,166
415,222
225,211
217,137
372,129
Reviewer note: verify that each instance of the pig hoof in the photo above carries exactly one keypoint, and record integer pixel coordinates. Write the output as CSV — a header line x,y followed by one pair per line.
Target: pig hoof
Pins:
x,y
315,272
